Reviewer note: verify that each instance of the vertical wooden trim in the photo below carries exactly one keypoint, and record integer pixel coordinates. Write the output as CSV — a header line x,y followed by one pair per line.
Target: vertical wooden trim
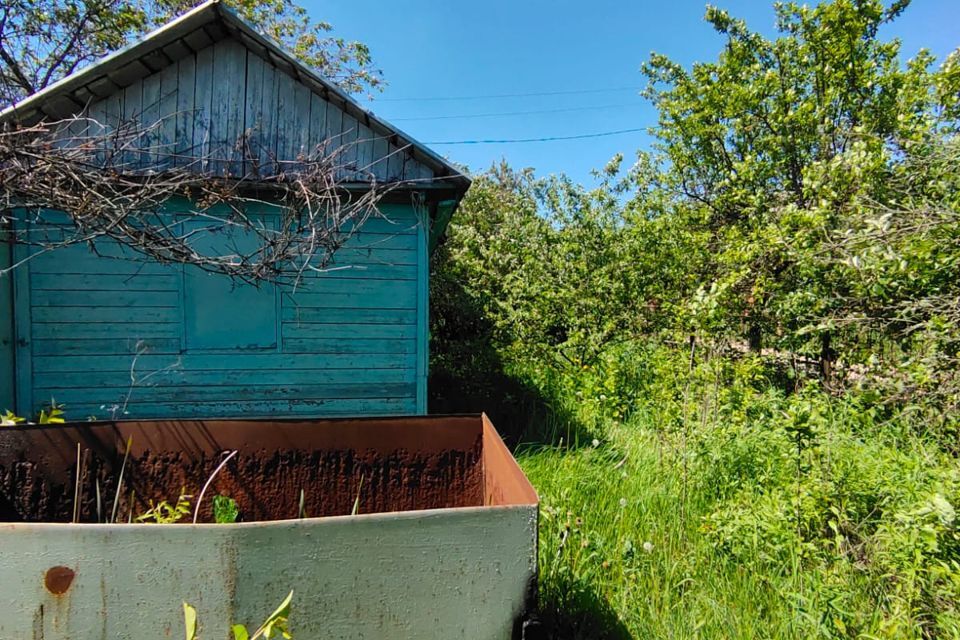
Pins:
x,y
7,342
423,308
21,330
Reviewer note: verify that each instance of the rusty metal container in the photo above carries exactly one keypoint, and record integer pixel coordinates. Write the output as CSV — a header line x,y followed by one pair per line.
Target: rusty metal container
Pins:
x,y
443,546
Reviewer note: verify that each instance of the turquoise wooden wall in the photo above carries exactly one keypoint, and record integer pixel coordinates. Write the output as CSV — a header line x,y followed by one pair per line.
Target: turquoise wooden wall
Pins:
x,y
6,329
112,336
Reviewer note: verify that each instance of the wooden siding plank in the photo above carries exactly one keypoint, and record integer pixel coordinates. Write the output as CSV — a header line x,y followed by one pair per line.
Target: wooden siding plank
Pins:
x,y
109,316
318,126
167,132
97,113
300,124
423,326
370,255
342,346
395,164
176,377
271,102
346,300
365,143
105,282
7,331
132,111
105,298
248,393
227,108
327,331
317,315
113,115
186,110
214,362
109,346
253,118
287,134
202,104
230,409
348,138
379,242
51,264
334,137
23,355
368,271
150,120
380,168
118,260
358,287
220,109
236,81
118,331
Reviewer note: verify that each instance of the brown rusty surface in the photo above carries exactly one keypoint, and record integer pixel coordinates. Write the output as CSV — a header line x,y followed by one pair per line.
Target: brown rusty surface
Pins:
x,y
404,463
503,482
57,580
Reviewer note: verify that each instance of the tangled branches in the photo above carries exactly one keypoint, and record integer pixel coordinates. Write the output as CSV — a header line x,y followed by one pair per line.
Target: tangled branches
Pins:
x,y
277,222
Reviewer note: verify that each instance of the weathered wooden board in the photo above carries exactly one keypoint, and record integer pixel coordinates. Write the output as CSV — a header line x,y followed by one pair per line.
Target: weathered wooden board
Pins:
x,y
7,363
110,329
203,105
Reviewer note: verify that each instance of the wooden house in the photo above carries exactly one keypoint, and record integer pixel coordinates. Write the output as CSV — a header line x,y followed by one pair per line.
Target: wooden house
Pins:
x,y
109,337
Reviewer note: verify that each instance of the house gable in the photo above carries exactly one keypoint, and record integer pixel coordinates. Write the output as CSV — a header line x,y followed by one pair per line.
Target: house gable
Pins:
x,y
227,111
204,81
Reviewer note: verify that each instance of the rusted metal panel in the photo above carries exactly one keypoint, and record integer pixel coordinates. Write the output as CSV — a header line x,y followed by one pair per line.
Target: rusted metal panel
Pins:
x,y
461,572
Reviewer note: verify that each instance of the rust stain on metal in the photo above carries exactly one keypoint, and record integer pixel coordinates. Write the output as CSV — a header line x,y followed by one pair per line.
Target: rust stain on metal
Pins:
x,y
58,579
405,463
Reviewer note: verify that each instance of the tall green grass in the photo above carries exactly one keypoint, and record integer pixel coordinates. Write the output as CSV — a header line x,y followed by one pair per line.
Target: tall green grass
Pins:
x,y
728,508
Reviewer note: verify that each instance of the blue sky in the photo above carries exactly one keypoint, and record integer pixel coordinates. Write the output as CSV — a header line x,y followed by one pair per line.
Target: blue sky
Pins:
x,y
433,49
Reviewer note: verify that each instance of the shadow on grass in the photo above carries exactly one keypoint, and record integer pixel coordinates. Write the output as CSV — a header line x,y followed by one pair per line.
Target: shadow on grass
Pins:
x,y
580,616
467,375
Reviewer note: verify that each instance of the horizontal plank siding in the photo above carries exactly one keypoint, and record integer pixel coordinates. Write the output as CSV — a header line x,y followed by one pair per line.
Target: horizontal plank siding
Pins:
x,y
177,377
205,393
161,364
109,337
120,407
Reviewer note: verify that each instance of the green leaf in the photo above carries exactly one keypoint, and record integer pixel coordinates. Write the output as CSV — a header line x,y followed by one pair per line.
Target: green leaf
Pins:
x,y
240,632
190,621
225,510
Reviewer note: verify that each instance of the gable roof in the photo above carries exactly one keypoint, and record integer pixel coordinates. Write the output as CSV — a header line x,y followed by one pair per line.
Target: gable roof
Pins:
x,y
198,29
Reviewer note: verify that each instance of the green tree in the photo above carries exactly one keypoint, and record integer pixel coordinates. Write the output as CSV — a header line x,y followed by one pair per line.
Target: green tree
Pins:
x,y
548,263
775,147
42,41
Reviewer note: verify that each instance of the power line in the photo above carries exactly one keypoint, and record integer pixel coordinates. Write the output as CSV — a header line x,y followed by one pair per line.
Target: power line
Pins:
x,y
550,139
570,92
517,113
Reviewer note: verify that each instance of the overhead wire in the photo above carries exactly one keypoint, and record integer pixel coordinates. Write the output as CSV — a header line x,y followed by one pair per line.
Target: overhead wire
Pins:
x,y
494,96
600,134
499,114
